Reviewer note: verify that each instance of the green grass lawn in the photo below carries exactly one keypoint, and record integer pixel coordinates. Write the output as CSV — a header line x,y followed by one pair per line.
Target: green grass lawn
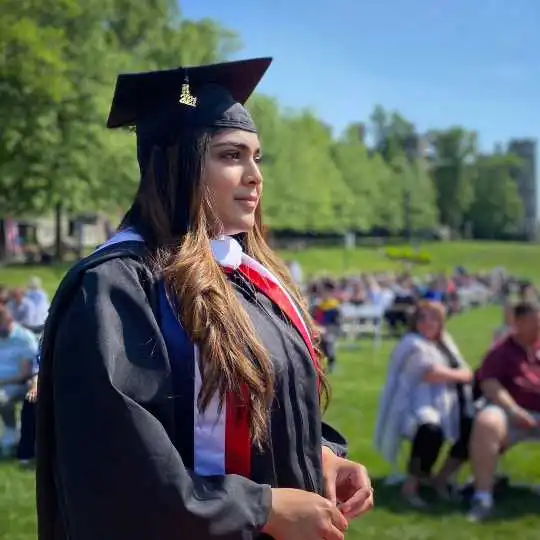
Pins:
x,y
522,260
356,385
519,259
18,276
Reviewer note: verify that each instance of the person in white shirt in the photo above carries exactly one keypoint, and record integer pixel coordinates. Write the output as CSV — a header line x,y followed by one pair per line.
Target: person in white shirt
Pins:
x,y
39,299
18,351
21,308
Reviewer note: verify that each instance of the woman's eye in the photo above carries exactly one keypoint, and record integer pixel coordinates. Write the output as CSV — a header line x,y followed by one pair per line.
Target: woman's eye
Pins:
x,y
233,155
258,158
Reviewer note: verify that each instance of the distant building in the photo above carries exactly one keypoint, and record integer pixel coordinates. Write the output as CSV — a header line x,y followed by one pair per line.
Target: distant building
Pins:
x,y
527,182
28,239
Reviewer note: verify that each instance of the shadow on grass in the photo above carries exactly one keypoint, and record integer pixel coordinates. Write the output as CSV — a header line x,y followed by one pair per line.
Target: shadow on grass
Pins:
x,y
512,503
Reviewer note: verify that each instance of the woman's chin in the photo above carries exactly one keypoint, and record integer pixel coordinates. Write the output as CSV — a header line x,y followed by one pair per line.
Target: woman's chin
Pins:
x,y
241,225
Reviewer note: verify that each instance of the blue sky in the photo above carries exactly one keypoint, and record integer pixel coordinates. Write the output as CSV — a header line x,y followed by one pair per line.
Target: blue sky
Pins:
x,y
439,62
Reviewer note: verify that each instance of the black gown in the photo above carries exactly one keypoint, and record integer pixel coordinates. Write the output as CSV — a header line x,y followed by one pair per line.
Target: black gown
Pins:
x,y
115,425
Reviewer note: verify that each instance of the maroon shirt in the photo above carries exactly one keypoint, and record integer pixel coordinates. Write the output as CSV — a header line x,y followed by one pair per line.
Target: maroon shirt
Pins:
x,y
516,369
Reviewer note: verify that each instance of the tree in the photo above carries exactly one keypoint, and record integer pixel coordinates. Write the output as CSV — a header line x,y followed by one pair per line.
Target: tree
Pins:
x,y
497,210
454,153
58,63
388,202
321,200
358,173
391,133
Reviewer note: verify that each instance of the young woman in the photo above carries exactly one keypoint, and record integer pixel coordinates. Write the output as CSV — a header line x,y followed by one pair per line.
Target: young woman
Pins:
x,y
179,392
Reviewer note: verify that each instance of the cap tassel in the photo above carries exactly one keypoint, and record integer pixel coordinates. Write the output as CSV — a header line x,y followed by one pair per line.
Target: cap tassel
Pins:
x,y
185,95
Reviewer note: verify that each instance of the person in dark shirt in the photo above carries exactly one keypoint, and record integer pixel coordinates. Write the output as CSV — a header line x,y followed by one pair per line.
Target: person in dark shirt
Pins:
x,y
509,379
328,316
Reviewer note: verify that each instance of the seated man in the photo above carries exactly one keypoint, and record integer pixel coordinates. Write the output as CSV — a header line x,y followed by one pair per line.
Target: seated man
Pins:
x,y
18,350
509,379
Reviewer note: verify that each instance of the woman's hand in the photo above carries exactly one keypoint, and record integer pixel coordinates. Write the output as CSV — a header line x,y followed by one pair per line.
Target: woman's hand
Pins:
x,y
299,514
347,485
464,375
446,375
31,395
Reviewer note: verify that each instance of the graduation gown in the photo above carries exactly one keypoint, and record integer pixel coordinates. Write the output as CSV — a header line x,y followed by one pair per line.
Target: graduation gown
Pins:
x,y
121,450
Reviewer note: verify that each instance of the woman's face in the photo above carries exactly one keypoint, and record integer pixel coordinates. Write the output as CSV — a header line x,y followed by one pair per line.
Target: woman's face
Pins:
x,y
234,180
429,324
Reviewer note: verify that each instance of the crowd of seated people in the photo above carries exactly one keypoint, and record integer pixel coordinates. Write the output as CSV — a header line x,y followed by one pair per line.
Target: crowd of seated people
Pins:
x,y
28,306
431,396
22,316
395,295
384,302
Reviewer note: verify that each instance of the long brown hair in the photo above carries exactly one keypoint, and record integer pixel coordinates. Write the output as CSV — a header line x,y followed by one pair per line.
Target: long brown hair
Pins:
x,y
173,213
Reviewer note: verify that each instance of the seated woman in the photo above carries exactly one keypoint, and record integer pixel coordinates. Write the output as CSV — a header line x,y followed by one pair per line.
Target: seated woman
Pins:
x,y
427,398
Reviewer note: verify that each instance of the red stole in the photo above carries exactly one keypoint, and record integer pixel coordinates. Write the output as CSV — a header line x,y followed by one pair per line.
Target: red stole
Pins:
x,y
238,440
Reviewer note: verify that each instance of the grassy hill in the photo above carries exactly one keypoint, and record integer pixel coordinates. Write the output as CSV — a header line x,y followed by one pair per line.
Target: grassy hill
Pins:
x,y
520,259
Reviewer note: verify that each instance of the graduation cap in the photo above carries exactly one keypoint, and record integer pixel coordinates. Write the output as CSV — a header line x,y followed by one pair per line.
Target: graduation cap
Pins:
x,y
159,103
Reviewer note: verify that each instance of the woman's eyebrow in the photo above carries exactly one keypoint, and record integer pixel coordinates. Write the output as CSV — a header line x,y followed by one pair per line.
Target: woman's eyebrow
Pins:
x,y
240,145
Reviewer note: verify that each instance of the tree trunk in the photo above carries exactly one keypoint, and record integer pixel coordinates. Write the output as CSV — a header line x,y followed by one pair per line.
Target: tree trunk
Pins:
x,y
58,240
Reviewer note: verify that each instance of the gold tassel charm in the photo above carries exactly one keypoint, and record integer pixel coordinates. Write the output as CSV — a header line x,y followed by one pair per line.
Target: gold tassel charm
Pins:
x,y
185,95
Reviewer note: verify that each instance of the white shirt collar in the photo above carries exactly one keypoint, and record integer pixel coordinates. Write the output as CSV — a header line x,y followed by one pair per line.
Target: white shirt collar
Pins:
x,y
227,251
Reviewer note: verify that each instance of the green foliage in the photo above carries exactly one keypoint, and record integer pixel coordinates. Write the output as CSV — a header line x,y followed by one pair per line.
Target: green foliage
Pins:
x,y
453,174
362,175
497,205
58,63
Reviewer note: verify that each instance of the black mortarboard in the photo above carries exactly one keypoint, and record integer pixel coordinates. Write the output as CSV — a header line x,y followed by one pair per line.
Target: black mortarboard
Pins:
x,y
159,103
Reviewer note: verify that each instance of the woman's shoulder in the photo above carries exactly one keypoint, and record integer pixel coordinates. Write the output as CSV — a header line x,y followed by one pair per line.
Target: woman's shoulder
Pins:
x,y
414,344
412,341
113,262
126,266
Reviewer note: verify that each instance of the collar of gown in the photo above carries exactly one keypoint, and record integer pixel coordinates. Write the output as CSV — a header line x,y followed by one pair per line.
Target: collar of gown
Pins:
x,y
227,251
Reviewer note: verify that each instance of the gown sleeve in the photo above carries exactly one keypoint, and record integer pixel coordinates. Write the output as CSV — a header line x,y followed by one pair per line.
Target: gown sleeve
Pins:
x,y
119,476
332,439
